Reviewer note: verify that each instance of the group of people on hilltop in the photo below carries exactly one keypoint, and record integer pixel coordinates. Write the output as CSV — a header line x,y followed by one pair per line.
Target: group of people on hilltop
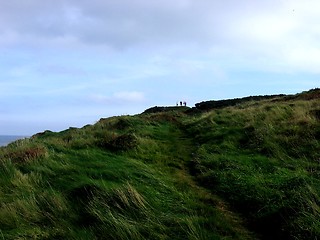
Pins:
x,y
184,103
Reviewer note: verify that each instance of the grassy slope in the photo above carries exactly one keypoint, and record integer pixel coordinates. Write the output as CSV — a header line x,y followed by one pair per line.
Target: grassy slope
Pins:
x,y
249,171
264,160
114,180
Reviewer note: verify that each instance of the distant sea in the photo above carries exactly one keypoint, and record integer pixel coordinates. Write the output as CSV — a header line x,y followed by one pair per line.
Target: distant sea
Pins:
x,y
6,139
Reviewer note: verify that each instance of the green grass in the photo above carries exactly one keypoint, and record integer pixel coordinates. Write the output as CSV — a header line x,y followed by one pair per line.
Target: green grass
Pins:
x,y
75,186
250,171
264,160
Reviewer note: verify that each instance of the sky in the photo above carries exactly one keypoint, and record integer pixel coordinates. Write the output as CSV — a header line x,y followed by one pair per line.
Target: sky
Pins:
x,y
68,63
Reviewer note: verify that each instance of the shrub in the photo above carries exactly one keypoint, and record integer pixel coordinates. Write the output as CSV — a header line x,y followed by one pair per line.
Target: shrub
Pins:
x,y
119,142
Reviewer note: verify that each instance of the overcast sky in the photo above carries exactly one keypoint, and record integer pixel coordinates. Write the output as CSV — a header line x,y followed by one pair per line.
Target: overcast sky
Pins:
x,y
70,62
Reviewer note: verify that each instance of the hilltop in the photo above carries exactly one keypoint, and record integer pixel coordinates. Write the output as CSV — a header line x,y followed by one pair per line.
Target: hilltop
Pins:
x,y
245,168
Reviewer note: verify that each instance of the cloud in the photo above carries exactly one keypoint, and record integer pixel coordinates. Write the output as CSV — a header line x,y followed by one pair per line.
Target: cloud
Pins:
x,y
269,35
119,98
117,24
129,96
62,70
281,37
267,28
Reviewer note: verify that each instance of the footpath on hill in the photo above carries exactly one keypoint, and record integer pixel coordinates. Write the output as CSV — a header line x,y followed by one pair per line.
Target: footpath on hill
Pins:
x,y
183,149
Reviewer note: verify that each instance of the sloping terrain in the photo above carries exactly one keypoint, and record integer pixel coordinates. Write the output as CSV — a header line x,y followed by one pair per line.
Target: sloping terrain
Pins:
x,y
247,169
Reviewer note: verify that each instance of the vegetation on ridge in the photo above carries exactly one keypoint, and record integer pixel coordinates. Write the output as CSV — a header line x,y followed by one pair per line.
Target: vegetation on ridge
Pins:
x,y
246,171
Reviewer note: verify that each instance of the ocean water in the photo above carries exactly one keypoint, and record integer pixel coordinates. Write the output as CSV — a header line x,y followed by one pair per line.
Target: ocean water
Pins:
x,y
6,139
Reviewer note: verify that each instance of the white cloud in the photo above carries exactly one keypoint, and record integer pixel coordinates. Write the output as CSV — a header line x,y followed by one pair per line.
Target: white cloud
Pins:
x,y
279,37
305,59
129,96
119,98
269,35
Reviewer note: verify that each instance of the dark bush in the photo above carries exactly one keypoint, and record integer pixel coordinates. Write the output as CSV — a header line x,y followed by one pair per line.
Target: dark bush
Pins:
x,y
45,134
208,105
119,142
157,109
316,113
122,124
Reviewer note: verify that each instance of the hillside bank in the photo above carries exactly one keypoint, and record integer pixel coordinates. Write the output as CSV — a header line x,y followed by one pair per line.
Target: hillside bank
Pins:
x,y
239,169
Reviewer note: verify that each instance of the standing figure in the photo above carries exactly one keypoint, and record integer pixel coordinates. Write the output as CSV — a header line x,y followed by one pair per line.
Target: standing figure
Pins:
x,y
184,103
180,103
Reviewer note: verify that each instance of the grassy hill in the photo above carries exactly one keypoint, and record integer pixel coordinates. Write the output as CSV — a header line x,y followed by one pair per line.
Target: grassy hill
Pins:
x,y
232,169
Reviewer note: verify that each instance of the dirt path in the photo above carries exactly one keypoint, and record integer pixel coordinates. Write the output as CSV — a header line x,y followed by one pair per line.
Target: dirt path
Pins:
x,y
185,149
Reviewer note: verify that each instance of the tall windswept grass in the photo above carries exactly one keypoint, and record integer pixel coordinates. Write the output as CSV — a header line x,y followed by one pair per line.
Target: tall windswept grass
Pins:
x,y
117,213
262,159
247,170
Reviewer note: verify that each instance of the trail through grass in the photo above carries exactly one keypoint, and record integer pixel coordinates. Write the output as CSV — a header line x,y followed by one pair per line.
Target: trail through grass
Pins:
x,y
76,185
181,151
